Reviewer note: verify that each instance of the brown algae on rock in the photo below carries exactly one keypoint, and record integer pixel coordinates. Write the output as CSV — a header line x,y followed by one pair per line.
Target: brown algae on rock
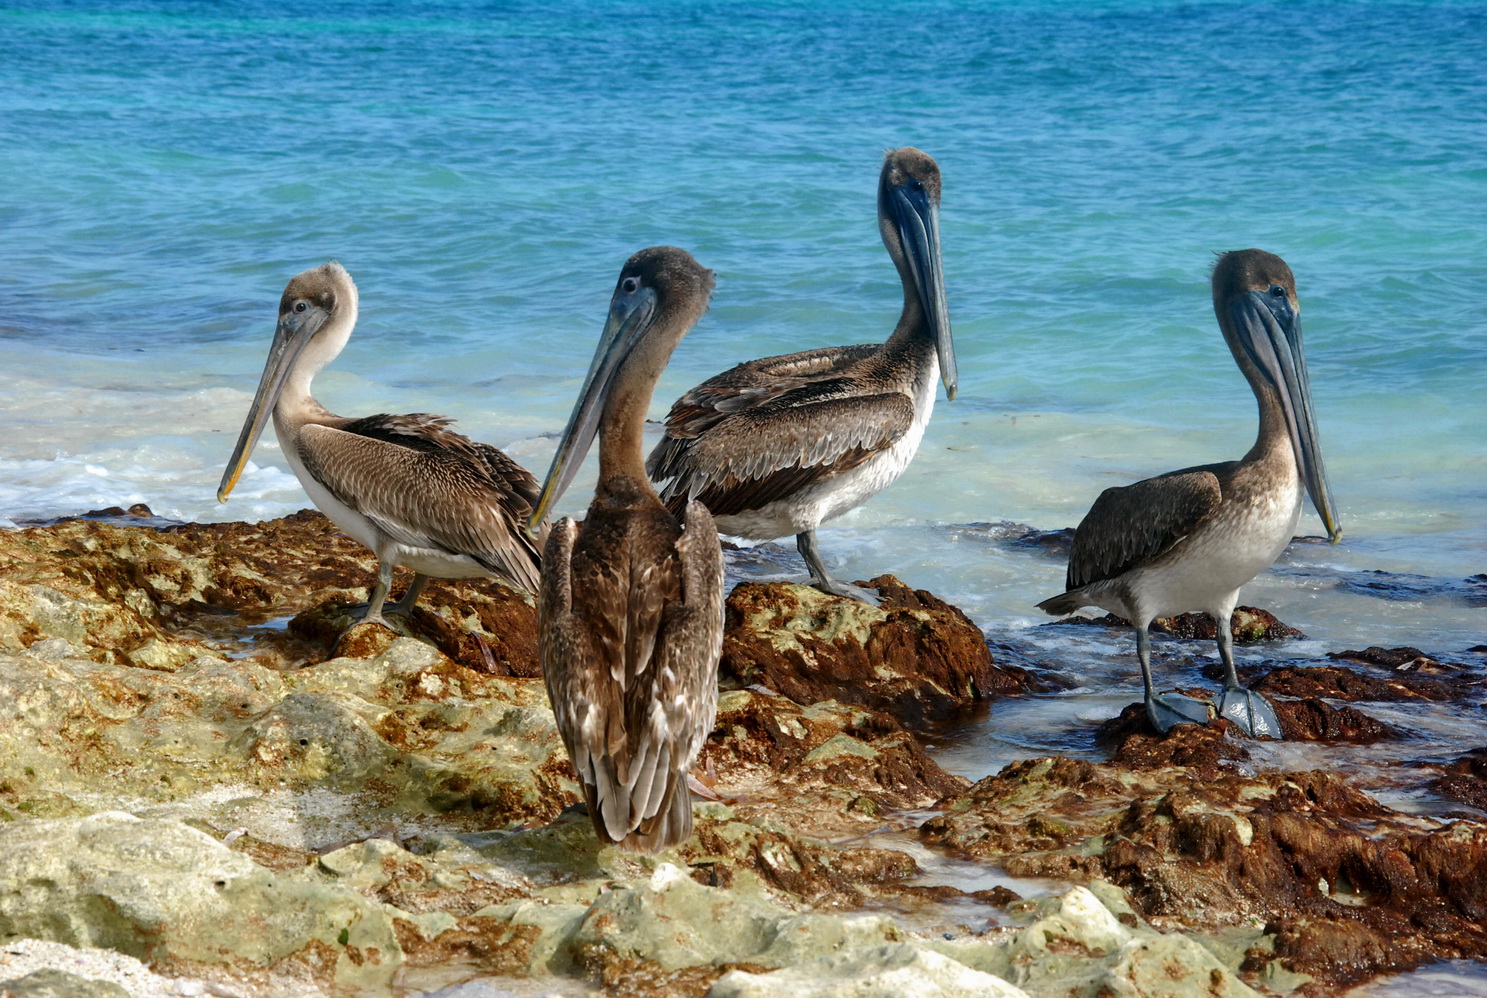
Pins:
x,y
292,811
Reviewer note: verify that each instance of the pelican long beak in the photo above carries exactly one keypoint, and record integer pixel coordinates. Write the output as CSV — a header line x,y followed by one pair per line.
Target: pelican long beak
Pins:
x,y
630,316
290,337
918,221
1269,329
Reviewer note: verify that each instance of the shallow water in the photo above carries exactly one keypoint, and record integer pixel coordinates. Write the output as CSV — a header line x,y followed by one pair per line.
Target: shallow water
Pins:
x,y
483,171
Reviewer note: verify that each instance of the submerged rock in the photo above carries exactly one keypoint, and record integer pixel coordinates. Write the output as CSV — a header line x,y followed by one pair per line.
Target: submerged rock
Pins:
x,y
1465,779
1338,683
1248,625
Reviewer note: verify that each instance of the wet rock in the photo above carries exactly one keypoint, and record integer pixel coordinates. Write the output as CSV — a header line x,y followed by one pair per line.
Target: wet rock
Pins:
x,y
1300,852
1315,720
1199,748
1054,543
1465,779
915,657
1392,658
1338,683
1249,625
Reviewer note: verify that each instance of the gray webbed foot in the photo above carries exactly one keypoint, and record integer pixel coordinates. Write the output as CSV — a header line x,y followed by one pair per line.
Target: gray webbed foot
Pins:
x,y
835,587
1167,710
1250,711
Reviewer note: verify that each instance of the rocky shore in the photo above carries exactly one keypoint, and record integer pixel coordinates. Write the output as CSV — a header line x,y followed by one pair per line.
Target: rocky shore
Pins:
x,y
199,772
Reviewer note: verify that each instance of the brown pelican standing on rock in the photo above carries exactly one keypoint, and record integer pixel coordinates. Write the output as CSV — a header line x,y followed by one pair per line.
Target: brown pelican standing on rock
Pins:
x,y
416,493
779,445
630,616
1187,540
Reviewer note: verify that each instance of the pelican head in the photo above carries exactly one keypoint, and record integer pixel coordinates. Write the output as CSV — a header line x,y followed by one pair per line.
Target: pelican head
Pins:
x,y
1254,296
909,219
316,315
661,292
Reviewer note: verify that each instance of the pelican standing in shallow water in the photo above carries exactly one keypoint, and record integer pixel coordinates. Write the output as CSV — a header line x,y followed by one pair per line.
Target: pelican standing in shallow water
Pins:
x,y
630,616
1187,540
415,492
779,445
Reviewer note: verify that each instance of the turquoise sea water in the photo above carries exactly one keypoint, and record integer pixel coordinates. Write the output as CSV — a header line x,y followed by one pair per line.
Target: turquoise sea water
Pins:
x,y
484,169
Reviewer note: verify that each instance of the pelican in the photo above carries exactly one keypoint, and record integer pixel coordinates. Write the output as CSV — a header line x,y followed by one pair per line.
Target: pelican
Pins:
x,y
408,487
630,615
1187,540
779,445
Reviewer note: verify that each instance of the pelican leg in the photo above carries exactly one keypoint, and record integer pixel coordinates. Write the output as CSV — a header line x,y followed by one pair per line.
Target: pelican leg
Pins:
x,y
1167,710
805,543
373,613
1248,709
405,605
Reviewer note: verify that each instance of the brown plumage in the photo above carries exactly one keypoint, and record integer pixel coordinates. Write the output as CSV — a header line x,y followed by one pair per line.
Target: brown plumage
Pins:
x,y
778,445
412,490
630,614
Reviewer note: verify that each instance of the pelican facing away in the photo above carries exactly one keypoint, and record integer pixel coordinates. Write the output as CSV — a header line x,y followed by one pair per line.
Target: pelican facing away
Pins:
x,y
1187,540
779,445
630,616
415,492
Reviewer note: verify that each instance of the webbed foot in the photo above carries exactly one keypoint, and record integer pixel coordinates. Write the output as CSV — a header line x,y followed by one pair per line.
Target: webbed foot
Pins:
x,y
836,587
1250,711
1167,710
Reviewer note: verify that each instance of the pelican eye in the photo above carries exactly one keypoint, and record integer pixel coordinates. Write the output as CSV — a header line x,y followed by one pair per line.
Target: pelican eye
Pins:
x,y
630,285
1277,292
916,184
300,306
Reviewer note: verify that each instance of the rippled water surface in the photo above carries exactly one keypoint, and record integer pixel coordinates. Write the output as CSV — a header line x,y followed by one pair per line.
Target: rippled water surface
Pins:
x,y
484,169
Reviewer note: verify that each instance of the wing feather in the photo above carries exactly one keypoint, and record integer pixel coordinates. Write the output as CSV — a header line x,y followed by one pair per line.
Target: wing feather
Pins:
x,y
1133,524
770,450
426,486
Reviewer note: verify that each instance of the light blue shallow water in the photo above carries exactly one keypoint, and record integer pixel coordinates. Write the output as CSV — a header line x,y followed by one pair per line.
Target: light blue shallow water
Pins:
x,y
483,171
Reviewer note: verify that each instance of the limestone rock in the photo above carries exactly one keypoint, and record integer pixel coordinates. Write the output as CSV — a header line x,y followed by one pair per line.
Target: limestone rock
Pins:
x,y
53,983
1170,965
58,983
171,895
899,970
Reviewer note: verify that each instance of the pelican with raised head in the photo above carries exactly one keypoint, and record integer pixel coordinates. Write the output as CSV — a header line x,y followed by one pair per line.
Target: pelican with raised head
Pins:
x,y
777,446
630,616
406,486
1187,540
